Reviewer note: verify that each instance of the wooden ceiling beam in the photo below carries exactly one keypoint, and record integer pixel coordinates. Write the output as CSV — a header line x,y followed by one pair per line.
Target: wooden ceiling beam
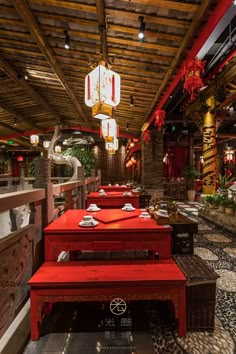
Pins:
x,y
70,5
11,128
147,45
167,4
159,20
18,116
179,55
148,34
28,18
28,89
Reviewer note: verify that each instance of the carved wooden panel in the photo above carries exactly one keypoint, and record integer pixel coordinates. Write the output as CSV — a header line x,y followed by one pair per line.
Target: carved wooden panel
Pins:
x,y
16,254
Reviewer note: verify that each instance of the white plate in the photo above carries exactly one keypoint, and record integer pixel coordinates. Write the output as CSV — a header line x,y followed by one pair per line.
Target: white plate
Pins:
x,y
145,217
97,209
125,209
83,224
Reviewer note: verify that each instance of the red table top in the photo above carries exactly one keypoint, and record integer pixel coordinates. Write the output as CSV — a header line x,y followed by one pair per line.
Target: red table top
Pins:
x,y
68,223
112,194
109,216
96,273
115,188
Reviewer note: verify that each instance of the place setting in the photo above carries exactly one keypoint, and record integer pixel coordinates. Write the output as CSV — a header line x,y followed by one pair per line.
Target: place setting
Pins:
x,y
88,221
102,192
145,214
93,207
128,207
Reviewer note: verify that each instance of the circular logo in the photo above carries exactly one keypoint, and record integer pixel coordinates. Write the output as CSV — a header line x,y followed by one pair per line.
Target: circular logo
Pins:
x,y
118,306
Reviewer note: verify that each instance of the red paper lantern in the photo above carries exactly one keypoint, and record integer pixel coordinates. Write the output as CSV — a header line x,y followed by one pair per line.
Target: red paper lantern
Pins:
x,y
192,76
160,119
146,136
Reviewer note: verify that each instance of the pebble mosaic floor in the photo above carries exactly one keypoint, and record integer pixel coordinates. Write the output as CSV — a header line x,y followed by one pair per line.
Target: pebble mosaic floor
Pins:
x,y
152,331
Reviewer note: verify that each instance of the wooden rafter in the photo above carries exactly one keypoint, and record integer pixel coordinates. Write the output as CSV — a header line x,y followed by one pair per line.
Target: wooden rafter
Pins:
x,y
166,4
29,20
18,116
28,89
164,21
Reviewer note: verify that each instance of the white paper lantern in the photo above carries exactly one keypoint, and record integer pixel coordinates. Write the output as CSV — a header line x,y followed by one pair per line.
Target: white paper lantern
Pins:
x,y
109,130
46,144
34,139
58,149
112,146
102,91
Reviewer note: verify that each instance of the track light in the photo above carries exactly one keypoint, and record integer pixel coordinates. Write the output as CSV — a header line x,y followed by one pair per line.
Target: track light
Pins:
x,y
131,101
141,28
67,40
15,123
127,126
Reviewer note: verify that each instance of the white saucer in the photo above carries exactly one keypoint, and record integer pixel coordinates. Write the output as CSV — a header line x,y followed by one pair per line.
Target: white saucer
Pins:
x,y
97,209
125,209
145,217
84,224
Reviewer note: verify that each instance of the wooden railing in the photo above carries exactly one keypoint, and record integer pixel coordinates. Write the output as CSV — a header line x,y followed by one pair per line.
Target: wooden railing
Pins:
x,y
23,215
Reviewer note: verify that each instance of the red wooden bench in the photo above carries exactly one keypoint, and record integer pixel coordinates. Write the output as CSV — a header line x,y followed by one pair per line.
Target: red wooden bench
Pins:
x,y
99,281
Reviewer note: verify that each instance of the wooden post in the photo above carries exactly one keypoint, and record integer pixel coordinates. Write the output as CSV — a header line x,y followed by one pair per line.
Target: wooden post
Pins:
x,y
209,150
81,178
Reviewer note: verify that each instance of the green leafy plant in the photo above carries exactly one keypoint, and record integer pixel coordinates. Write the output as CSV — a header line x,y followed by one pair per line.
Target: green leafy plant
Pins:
x,y
190,175
229,203
224,181
87,158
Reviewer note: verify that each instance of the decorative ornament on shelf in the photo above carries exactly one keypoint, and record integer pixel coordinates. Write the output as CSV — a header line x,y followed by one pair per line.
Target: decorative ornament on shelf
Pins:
x,y
102,91
192,76
146,136
160,118
34,139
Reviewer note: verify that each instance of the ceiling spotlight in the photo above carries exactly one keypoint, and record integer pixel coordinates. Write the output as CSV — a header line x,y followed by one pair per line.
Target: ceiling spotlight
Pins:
x,y
127,126
15,123
141,28
131,101
67,40
26,77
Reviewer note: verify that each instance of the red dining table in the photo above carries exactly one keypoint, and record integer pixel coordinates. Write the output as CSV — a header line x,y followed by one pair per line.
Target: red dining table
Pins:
x,y
117,231
112,199
115,188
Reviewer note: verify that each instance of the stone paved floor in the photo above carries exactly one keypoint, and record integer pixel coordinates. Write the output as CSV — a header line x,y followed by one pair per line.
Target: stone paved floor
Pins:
x,y
148,328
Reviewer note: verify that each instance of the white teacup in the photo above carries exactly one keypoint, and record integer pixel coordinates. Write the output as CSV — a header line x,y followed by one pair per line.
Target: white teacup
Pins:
x,y
117,184
88,219
128,206
144,214
101,190
92,206
109,184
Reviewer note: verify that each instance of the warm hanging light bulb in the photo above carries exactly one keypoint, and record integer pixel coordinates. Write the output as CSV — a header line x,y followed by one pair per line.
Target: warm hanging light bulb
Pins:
x,y
67,40
141,28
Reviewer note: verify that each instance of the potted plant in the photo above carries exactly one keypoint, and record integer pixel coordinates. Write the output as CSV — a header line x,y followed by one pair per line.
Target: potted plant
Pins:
x,y
229,206
190,174
224,181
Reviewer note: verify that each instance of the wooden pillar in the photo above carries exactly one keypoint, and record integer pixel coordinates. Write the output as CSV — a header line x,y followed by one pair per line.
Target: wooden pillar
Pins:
x,y
191,152
152,164
209,150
